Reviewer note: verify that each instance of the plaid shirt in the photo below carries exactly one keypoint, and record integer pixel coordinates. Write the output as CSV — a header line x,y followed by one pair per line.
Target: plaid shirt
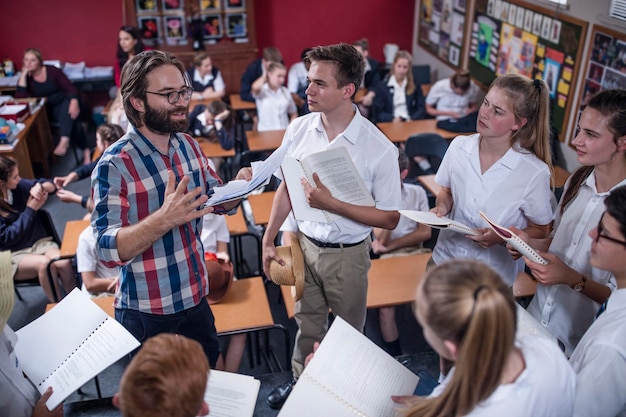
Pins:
x,y
128,185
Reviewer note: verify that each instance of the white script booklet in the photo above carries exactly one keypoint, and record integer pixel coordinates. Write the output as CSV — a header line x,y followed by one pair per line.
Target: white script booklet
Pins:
x,y
69,345
430,219
336,171
349,376
231,395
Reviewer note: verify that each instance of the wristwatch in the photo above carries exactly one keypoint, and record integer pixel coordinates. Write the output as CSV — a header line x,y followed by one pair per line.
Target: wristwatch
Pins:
x,y
580,284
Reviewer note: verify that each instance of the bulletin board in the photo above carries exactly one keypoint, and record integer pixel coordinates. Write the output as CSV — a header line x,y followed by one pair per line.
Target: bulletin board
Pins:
x,y
518,37
442,28
606,64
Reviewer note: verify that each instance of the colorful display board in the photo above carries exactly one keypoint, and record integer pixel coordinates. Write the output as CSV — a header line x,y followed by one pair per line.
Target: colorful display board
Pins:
x,y
441,29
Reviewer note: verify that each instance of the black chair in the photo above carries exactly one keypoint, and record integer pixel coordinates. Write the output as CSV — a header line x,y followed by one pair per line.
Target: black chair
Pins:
x,y
421,74
45,217
430,145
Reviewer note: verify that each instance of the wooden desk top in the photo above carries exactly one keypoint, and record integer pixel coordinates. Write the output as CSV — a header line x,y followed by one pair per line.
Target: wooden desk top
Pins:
x,y
214,150
261,205
236,223
264,141
244,307
236,103
399,132
524,285
560,176
391,281
194,103
73,229
428,181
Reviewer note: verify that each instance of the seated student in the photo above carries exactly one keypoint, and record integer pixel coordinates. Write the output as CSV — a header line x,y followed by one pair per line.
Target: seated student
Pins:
x,y
398,97
215,123
370,79
206,79
24,234
256,69
599,360
98,279
274,104
454,102
297,82
62,104
18,396
166,378
468,314
106,134
405,239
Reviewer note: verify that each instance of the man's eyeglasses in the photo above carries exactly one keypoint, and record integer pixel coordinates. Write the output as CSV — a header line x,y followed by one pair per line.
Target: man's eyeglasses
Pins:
x,y
174,96
600,234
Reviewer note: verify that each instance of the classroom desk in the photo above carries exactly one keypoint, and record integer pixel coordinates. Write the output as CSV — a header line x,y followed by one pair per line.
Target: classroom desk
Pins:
x,y
236,103
32,145
237,228
105,303
214,150
390,282
73,229
268,140
559,176
399,132
261,205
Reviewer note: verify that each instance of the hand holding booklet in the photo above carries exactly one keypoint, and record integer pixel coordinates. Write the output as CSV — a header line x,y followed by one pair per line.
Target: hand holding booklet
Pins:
x,y
69,345
349,375
514,240
430,219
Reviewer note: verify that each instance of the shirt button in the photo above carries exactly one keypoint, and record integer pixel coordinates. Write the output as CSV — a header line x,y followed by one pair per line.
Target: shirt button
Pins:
x,y
544,323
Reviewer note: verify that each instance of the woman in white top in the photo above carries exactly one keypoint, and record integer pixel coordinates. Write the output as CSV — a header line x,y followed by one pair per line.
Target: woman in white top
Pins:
x,y
469,317
274,105
503,170
570,289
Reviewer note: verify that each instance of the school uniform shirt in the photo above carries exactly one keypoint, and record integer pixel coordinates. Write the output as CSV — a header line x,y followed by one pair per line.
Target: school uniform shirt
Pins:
x,y
515,189
87,257
443,98
214,229
413,198
399,98
544,388
565,313
296,78
273,108
600,363
17,396
375,158
200,83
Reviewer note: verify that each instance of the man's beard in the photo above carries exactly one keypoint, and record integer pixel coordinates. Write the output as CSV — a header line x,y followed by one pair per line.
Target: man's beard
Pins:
x,y
159,120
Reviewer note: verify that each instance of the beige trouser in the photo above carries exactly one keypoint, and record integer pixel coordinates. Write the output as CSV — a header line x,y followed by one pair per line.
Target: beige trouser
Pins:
x,y
335,279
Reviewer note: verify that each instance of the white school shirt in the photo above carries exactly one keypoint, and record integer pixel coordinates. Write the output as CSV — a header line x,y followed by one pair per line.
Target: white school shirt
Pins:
x,y
17,396
214,229
296,77
87,257
375,158
413,198
566,313
544,388
399,98
515,189
218,83
443,98
274,108
600,363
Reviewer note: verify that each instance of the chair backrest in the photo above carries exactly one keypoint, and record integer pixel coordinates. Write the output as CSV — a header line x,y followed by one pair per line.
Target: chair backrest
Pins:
x,y
46,219
430,145
421,74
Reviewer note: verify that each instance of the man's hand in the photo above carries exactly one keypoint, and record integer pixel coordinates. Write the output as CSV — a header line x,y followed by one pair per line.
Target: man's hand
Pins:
x,y
311,355
41,410
269,256
244,174
318,197
179,206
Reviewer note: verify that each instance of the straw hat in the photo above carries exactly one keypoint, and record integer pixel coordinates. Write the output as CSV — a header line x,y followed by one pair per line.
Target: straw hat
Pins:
x,y
7,297
220,279
293,271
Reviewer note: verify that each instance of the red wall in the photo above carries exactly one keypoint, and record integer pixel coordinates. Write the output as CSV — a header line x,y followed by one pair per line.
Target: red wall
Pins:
x,y
86,30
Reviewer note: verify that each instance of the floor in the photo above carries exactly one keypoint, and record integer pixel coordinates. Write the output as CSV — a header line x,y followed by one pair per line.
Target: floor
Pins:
x,y
34,302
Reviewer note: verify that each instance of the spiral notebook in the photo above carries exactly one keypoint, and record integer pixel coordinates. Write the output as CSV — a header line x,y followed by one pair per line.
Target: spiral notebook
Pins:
x,y
336,171
515,241
69,345
431,220
349,376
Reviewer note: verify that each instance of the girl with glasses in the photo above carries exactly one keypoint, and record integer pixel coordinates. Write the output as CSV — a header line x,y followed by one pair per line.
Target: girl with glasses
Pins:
x,y
600,358
570,288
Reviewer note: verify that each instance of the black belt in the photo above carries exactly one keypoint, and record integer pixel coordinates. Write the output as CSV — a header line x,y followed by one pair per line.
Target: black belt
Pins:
x,y
320,244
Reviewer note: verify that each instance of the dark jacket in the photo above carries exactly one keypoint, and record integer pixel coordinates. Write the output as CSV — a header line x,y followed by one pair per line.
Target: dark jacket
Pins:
x,y
383,103
225,135
253,71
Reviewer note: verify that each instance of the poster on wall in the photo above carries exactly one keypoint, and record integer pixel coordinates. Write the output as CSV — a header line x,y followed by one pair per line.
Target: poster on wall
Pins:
x,y
606,66
175,30
212,26
441,28
522,38
149,26
236,25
